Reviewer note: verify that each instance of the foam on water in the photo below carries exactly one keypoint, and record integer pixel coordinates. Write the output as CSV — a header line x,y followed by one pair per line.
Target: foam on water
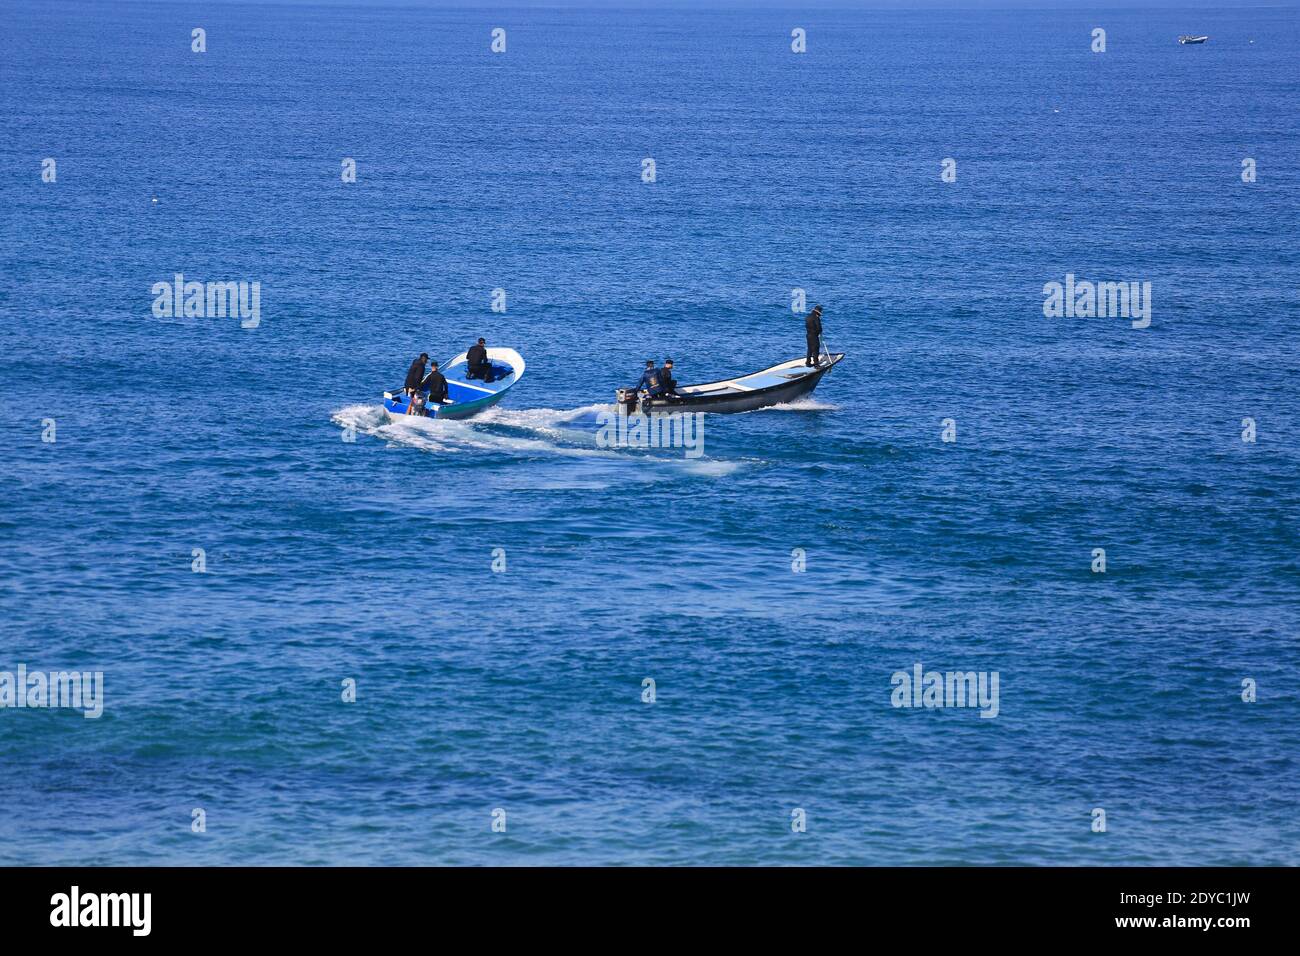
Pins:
x,y
529,431
710,468
808,403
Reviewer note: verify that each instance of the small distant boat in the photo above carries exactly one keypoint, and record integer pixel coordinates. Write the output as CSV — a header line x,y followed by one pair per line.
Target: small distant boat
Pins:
x,y
772,386
1188,38
465,397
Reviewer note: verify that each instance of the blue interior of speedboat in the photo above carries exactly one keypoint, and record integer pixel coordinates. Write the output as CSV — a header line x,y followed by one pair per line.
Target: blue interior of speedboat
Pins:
x,y
460,389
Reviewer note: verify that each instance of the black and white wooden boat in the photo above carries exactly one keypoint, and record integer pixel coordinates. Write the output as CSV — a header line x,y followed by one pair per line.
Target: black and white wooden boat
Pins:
x,y
771,386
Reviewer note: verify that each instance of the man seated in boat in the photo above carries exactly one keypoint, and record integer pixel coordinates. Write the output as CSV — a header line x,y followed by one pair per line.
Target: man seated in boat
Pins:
x,y
415,374
651,382
667,381
478,365
435,386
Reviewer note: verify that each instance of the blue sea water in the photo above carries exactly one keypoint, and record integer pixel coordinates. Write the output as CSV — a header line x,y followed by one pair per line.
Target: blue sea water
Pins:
x,y
372,560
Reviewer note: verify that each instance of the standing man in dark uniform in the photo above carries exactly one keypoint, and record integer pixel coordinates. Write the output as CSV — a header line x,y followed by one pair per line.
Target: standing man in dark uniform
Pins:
x,y
813,325
415,374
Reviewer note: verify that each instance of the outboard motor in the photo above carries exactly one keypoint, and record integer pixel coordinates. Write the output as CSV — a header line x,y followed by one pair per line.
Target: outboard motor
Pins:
x,y
627,397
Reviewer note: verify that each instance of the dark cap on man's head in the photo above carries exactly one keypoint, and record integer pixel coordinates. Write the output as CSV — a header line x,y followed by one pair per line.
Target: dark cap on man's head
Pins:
x,y
480,341
424,356
668,361
649,361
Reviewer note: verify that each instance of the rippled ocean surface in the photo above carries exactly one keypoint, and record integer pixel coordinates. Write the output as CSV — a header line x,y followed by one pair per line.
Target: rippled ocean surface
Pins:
x,y
372,560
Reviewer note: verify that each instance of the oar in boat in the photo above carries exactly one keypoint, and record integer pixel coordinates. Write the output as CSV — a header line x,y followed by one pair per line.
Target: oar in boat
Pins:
x,y
825,349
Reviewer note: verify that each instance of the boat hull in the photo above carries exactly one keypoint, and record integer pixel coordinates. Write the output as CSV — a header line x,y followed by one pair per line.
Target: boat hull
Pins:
x,y
399,406
775,386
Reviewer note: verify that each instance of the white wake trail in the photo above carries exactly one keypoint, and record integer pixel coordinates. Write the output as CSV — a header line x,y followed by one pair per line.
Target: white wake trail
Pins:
x,y
528,431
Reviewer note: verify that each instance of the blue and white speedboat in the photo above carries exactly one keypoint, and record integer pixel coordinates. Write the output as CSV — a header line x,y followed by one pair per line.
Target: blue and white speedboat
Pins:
x,y
465,397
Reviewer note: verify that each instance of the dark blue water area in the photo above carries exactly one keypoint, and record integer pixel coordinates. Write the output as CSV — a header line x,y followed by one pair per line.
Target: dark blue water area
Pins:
x,y
372,559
